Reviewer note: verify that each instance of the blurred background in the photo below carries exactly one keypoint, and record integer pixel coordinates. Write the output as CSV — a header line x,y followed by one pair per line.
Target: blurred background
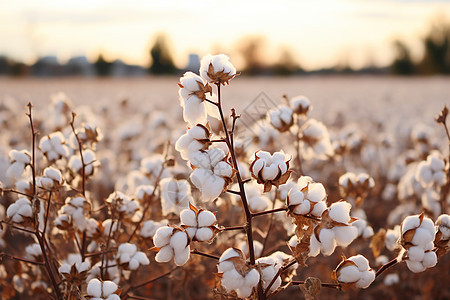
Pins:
x,y
123,38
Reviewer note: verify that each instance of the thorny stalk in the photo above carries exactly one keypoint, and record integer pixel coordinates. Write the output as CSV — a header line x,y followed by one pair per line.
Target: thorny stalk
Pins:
x,y
38,235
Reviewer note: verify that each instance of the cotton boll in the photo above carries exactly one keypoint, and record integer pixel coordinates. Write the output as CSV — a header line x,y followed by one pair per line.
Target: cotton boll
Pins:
x,y
252,278
231,280
194,111
191,231
415,266
225,266
314,247
422,237
94,288
206,218
410,222
391,279
345,235
319,208
361,262
416,253
204,234
113,297
188,217
141,258
108,288
227,254
182,256
223,169
339,212
244,291
303,208
316,192
443,223
179,241
429,259
162,236
349,274
165,254
326,237
367,278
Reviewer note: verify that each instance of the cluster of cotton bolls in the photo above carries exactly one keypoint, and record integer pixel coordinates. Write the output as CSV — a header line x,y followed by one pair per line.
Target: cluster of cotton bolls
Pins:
x,y
256,199
355,185
51,179
364,229
171,243
124,204
74,212
20,211
234,275
99,290
199,224
270,169
336,230
418,234
19,160
355,271
195,139
307,198
129,257
315,141
175,195
54,147
74,268
281,118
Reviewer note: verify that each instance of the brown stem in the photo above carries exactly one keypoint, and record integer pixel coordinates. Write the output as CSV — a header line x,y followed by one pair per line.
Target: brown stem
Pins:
x,y
195,251
17,227
269,211
212,102
242,227
291,263
446,188
47,214
298,159
243,196
133,287
386,266
21,259
327,285
16,192
234,192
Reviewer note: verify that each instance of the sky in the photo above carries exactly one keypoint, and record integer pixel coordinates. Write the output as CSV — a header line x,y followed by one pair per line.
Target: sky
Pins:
x,y
320,33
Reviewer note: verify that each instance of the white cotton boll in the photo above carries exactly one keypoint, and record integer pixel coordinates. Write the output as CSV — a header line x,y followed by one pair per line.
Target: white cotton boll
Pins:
x,y
422,237
179,241
216,155
133,264
165,254
127,248
349,274
33,250
314,246
270,172
410,222
231,280
252,278
113,297
223,169
303,208
415,266
182,257
428,225
197,132
344,235
316,192
391,279
429,259
162,236
225,266
191,231
257,166
94,288
345,179
204,234
367,278
141,258
339,212
229,253
424,174
188,217
194,111
20,156
326,237
15,170
319,208
285,189
124,258
206,218
361,262
244,291
84,266
416,253
443,223
368,232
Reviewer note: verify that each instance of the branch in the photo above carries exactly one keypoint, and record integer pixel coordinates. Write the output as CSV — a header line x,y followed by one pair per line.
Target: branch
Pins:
x,y
21,259
386,266
269,211
195,251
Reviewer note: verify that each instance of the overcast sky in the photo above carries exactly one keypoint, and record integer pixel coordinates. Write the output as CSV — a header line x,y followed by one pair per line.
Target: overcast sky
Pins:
x,y
320,32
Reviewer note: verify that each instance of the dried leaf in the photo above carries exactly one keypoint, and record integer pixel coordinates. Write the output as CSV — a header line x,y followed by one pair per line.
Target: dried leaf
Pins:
x,y
378,241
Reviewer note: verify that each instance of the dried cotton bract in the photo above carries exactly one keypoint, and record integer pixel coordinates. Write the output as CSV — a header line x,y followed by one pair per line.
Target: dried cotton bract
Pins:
x,y
235,274
270,169
418,233
217,69
354,271
99,290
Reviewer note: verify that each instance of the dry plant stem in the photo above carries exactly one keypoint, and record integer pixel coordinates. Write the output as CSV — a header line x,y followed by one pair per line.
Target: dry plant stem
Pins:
x,y
386,266
139,285
278,274
233,228
195,251
148,203
261,213
102,273
298,159
17,227
16,192
266,237
47,214
327,285
36,232
21,259
248,214
446,187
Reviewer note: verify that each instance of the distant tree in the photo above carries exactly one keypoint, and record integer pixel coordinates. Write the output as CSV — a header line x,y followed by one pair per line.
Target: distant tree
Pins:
x,y
162,62
436,57
102,66
402,64
5,65
251,49
287,64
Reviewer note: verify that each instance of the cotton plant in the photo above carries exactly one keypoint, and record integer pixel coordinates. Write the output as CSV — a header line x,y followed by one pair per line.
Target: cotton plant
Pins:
x,y
19,161
129,257
355,186
74,269
74,213
307,198
270,169
102,290
175,195
432,172
125,205
54,147
20,211
195,139
235,275
200,225
51,179
354,272
90,163
315,141
172,243
149,227
281,118
418,233
269,270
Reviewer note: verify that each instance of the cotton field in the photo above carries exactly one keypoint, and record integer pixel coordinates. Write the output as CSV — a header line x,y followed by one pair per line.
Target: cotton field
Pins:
x,y
217,186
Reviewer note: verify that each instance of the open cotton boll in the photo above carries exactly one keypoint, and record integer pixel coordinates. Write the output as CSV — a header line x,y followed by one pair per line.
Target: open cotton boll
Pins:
x,y
188,217
422,237
206,218
415,266
252,278
429,259
339,212
94,288
416,253
344,235
231,280
194,110
227,254
443,224
181,257
204,234
108,288
300,104
179,241
327,241
361,262
165,254
349,274
162,236
367,277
